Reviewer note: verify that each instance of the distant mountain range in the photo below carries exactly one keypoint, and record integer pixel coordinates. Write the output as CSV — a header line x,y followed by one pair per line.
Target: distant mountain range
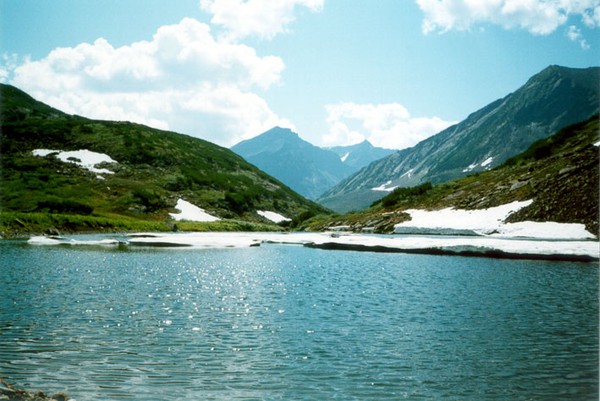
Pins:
x,y
360,155
552,99
306,168
140,174
106,175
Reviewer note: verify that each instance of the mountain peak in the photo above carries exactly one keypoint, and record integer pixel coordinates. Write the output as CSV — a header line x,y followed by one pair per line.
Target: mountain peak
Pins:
x,y
554,73
365,144
277,130
550,100
304,167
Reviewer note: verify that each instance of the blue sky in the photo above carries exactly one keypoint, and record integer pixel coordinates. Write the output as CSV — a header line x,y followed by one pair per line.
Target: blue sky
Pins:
x,y
335,71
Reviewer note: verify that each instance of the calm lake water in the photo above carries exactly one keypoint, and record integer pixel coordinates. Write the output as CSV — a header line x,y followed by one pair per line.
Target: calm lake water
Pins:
x,y
292,323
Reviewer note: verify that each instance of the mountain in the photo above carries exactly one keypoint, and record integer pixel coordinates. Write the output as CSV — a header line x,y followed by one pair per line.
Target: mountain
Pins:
x,y
550,100
76,173
305,168
360,155
559,173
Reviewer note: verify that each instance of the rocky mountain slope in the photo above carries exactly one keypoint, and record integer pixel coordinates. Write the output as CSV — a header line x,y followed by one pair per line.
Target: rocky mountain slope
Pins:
x,y
550,100
559,173
138,175
305,168
360,155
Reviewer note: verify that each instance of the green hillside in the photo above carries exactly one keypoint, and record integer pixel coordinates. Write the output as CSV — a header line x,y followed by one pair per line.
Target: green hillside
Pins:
x,y
560,173
153,170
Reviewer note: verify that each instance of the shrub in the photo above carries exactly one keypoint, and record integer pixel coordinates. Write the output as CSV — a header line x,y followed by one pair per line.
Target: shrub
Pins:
x,y
57,205
403,194
149,199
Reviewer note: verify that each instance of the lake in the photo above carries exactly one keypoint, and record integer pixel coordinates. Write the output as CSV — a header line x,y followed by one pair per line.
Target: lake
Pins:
x,y
282,322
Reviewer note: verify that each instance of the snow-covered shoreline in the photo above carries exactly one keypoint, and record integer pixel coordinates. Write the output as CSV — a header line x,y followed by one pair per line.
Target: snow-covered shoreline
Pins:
x,y
506,248
484,246
488,222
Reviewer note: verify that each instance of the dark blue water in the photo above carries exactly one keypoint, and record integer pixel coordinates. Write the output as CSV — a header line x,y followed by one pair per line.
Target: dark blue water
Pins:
x,y
288,322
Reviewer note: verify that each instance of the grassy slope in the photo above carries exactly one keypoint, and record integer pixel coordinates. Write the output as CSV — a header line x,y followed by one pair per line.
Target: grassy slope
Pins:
x,y
154,169
559,173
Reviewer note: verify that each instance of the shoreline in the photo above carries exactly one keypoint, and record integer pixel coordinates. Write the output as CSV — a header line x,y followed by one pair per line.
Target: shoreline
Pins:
x,y
567,249
9,392
481,253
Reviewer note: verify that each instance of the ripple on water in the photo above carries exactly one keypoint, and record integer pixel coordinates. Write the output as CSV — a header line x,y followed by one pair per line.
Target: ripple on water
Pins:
x,y
279,322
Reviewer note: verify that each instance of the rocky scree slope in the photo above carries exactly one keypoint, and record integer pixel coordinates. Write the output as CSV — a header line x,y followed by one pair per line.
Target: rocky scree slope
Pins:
x,y
560,173
552,99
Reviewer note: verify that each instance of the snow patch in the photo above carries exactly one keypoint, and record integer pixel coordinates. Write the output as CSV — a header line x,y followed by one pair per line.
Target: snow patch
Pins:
x,y
484,163
343,158
483,245
384,187
195,240
191,212
458,221
83,158
44,152
43,240
469,168
408,173
272,216
544,230
219,239
488,222
487,162
597,143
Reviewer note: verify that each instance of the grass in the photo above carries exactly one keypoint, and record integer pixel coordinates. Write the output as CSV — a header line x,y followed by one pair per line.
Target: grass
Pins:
x,y
18,224
155,168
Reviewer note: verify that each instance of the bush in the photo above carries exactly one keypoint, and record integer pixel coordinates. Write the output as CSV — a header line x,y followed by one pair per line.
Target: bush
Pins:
x,y
67,206
237,202
404,194
149,199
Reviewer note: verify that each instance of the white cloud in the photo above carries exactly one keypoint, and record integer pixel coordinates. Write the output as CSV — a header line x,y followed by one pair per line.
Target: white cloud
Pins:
x,y
263,18
386,125
574,34
540,17
8,62
183,80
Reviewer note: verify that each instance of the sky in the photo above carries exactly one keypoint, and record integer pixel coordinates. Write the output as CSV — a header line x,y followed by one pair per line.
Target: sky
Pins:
x,y
337,72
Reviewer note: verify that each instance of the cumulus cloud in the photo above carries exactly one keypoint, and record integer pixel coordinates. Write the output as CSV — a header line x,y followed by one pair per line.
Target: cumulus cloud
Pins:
x,y
387,125
183,80
261,18
540,17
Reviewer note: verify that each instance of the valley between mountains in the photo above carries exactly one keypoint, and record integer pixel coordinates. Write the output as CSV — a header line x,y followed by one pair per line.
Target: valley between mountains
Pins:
x,y
66,173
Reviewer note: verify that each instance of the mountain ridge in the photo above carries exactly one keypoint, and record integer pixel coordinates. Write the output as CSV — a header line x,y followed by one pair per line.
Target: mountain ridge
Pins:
x,y
308,169
361,154
553,98
560,174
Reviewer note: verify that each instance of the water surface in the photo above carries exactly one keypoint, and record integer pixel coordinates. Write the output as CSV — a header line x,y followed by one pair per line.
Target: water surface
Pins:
x,y
287,322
